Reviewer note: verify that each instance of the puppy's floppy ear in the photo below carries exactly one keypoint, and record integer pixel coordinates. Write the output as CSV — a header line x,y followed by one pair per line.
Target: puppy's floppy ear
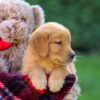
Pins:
x,y
38,14
40,43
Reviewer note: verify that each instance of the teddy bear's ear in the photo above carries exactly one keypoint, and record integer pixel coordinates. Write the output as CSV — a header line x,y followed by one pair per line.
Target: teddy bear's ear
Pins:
x,y
39,17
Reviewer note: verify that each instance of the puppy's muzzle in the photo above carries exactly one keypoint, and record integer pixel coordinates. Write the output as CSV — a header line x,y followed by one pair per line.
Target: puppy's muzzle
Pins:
x,y
72,56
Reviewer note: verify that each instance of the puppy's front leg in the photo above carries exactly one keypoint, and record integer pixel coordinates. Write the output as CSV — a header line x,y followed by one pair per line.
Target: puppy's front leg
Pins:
x,y
38,78
57,79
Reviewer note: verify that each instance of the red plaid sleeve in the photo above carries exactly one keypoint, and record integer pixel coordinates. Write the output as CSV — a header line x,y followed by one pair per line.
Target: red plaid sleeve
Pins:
x,y
5,94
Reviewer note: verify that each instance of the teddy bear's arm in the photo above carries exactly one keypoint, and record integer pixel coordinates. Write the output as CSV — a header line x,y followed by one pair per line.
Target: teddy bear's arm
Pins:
x,y
3,65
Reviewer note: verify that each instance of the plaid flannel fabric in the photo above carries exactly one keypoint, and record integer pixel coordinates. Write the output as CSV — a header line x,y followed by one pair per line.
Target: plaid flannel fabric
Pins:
x,y
5,94
16,87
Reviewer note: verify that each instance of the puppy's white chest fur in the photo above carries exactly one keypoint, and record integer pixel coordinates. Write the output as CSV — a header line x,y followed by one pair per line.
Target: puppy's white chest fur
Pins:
x,y
48,66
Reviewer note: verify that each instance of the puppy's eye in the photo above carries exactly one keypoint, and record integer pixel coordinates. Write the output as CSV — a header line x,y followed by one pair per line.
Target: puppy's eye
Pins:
x,y
59,42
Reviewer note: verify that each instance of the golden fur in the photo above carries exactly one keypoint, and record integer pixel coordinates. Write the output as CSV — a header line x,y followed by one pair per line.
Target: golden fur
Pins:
x,y
48,52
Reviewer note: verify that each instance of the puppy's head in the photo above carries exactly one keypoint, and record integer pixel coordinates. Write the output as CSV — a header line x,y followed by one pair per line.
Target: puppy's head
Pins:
x,y
52,41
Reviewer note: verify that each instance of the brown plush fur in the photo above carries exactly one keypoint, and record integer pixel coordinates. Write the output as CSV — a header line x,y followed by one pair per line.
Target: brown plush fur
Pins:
x,y
17,21
48,52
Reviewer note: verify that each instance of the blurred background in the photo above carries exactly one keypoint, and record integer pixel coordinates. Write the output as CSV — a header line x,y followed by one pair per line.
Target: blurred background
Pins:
x,y
82,17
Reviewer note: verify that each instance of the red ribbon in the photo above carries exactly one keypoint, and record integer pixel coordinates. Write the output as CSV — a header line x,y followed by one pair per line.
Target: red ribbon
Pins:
x,y
4,45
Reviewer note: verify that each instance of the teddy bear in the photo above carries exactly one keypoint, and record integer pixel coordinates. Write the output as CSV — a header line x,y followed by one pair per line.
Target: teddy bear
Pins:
x,y
17,20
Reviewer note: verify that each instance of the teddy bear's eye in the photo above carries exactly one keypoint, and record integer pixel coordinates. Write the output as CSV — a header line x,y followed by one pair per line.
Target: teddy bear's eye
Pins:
x,y
3,18
23,19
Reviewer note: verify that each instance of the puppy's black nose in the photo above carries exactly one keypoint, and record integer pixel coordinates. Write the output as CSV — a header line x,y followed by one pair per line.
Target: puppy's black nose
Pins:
x,y
72,55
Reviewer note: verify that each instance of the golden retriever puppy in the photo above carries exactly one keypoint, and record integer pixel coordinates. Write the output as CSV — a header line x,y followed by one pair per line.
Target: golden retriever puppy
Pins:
x,y
49,52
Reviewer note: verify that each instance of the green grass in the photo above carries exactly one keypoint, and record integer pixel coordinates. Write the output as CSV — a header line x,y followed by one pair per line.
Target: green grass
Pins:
x,y
88,68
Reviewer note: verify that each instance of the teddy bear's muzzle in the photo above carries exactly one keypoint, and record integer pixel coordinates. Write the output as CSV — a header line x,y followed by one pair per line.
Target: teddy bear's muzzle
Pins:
x,y
4,45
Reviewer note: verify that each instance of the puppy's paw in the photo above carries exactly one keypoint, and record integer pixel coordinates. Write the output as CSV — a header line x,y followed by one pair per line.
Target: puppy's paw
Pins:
x,y
39,81
55,83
